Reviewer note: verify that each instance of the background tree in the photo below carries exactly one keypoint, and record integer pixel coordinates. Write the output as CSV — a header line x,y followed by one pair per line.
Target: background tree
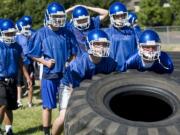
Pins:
x,y
175,6
152,13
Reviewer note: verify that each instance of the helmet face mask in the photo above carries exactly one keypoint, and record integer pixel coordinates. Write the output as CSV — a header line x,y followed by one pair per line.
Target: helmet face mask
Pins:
x,y
55,15
9,36
149,52
149,47
57,19
119,20
100,49
82,22
26,30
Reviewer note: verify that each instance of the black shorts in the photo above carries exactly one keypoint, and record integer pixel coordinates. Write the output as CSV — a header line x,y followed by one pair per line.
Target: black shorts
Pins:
x,y
8,95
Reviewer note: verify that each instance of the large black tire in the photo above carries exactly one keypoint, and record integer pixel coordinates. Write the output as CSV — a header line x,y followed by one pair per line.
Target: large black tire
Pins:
x,y
131,103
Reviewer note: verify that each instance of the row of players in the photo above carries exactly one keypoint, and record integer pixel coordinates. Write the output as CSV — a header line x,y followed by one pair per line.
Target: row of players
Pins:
x,y
82,46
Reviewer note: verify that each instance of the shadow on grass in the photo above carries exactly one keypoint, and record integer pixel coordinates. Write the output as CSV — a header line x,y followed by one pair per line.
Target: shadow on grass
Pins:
x,y
30,131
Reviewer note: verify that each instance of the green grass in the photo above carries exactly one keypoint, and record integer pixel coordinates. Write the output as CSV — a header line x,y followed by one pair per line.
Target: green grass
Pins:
x,y
28,121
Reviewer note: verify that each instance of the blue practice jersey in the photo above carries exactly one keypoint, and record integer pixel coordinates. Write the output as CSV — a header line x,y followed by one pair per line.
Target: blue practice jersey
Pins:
x,y
32,31
164,65
83,68
81,34
123,43
58,45
137,31
23,42
9,59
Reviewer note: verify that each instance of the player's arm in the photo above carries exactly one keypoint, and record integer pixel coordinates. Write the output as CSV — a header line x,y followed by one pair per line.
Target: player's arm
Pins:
x,y
73,48
69,10
49,63
132,62
24,71
166,62
102,12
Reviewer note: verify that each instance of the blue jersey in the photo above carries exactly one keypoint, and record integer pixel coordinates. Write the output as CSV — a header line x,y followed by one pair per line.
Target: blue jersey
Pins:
x,y
164,65
58,45
123,43
81,34
32,31
9,59
83,68
23,42
137,31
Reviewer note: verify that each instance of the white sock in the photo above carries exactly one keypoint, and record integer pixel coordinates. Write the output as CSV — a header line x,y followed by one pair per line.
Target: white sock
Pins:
x,y
8,127
19,100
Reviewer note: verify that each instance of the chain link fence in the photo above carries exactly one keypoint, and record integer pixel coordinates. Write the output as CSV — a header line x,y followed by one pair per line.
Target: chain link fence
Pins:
x,y
170,35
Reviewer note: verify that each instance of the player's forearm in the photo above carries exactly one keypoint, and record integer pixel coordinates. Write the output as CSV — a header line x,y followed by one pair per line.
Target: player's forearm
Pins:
x,y
69,10
40,60
23,69
102,12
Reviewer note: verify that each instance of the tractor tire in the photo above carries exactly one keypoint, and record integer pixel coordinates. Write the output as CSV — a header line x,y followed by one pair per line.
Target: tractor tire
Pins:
x,y
131,103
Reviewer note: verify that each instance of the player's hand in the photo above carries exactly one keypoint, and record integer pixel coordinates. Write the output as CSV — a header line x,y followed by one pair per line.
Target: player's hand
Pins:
x,y
50,63
29,83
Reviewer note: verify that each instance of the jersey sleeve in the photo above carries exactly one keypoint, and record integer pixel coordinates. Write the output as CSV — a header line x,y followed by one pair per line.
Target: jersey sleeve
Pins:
x,y
73,74
97,22
73,45
35,46
166,63
132,62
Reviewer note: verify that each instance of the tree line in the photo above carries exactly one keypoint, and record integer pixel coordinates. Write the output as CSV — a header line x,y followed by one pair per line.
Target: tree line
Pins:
x,y
152,12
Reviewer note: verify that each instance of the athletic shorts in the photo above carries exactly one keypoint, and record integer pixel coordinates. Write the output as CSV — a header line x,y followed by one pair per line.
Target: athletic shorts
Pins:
x,y
8,94
49,91
65,94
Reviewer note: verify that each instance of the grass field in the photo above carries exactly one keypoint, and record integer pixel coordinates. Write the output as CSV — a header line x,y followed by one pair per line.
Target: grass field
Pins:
x,y
27,121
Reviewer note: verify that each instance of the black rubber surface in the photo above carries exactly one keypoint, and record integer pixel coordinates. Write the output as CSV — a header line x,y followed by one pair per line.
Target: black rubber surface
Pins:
x,y
130,103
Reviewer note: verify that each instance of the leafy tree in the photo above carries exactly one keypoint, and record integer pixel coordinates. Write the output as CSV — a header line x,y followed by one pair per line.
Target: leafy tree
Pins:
x,y
15,9
152,13
175,6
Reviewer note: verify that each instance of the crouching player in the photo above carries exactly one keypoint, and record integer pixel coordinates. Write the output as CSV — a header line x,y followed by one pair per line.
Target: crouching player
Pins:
x,y
95,61
149,56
